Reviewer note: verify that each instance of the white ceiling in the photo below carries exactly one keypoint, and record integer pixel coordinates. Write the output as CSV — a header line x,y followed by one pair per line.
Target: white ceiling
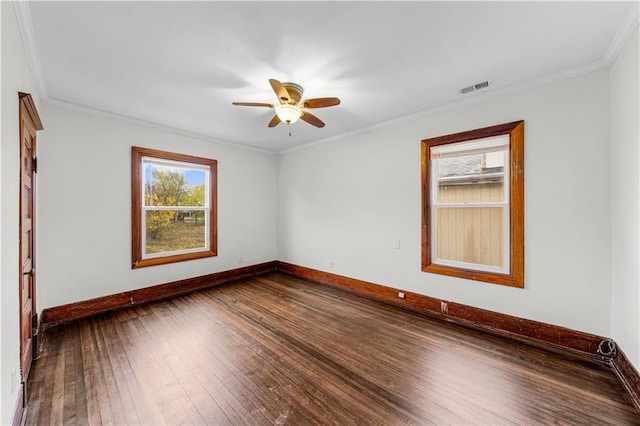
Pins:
x,y
181,64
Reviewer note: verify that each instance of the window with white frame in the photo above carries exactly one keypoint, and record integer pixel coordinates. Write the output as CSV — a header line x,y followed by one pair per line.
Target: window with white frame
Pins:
x,y
473,195
173,209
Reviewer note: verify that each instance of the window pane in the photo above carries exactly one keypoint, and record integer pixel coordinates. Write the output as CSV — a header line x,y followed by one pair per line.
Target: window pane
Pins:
x,y
175,230
475,178
173,186
471,235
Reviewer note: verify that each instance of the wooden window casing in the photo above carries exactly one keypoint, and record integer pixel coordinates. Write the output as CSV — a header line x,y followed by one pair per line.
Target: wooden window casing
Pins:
x,y
514,276
138,257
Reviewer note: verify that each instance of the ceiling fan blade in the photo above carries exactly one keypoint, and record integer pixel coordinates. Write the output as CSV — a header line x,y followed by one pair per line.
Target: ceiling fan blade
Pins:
x,y
256,104
320,102
281,91
274,121
312,119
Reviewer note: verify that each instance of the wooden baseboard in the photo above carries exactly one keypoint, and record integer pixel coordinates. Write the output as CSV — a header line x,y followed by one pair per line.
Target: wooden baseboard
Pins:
x,y
537,333
533,332
628,375
19,409
86,308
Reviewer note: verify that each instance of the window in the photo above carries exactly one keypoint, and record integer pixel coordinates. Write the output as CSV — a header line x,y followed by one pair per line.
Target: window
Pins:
x,y
173,207
473,204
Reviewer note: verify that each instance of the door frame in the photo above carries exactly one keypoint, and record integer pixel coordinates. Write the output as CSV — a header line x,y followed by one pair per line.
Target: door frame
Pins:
x,y
27,107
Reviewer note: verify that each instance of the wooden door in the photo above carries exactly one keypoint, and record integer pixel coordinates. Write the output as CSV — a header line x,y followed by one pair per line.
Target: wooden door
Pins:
x,y
29,124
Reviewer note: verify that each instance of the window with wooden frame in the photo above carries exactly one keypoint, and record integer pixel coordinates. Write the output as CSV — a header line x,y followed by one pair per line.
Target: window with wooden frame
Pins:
x,y
173,213
473,204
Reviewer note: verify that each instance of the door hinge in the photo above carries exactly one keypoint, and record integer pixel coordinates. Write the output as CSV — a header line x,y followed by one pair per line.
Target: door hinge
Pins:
x,y
34,321
35,164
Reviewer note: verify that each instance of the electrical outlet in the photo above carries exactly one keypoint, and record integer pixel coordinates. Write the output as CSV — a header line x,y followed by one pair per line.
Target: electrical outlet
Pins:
x,y
396,244
240,260
401,295
331,264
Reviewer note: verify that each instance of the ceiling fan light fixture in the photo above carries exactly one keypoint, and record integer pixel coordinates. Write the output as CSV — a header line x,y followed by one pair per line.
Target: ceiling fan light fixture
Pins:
x,y
288,113
291,105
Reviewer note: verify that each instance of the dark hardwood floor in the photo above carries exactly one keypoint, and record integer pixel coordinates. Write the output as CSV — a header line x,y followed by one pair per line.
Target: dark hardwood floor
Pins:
x,y
279,350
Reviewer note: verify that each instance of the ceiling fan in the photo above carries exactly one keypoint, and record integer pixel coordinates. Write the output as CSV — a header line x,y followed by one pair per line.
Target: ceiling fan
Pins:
x,y
291,106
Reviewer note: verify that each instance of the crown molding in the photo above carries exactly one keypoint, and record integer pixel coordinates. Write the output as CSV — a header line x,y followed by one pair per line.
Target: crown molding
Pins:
x,y
151,125
465,100
29,41
623,34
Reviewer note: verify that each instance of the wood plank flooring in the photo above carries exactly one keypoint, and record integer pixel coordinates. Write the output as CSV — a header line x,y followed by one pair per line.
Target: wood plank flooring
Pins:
x,y
276,350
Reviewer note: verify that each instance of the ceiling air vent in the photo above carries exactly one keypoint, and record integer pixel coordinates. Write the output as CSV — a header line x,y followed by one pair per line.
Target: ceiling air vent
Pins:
x,y
467,89
477,86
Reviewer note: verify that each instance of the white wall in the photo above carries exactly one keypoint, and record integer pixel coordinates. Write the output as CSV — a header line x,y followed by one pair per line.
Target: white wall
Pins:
x,y
350,198
625,193
84,207
16,76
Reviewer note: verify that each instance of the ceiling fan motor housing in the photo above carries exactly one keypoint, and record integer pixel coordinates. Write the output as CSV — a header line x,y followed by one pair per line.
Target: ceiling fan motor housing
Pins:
x,y
295,92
